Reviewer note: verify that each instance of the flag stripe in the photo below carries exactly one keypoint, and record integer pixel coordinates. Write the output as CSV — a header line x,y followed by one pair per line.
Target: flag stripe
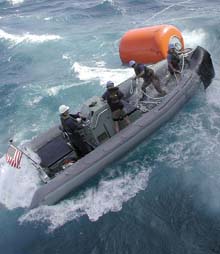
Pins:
x,y
13,156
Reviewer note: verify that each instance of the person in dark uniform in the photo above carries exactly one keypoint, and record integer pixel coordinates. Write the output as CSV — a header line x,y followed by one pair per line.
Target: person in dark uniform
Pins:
x,y
148,75
173,60
72,124
113,97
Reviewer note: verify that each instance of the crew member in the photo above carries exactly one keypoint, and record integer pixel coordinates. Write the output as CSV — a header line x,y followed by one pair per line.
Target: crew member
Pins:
x,y
173,60
113,96
72,124
148,75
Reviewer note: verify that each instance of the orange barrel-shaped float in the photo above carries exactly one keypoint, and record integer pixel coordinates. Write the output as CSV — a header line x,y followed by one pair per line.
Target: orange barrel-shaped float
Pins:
x,y
149,44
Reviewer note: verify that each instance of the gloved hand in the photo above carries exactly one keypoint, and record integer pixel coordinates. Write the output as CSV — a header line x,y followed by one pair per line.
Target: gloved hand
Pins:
x,y
79,120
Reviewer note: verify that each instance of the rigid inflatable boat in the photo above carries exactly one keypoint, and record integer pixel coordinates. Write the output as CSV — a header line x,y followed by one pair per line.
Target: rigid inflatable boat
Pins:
x,y
64,170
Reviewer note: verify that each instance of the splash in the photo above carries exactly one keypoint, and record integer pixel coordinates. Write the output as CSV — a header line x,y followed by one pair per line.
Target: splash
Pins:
x,y
95,202
27,37
102,74
194,37
17,186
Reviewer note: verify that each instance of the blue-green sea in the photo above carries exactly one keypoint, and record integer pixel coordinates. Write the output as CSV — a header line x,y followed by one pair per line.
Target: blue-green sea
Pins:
x,y
161,198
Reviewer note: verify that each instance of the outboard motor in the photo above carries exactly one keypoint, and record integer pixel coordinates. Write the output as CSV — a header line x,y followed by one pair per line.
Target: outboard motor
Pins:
x,y
205,67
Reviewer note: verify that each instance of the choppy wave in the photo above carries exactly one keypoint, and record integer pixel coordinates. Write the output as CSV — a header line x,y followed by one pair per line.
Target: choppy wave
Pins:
x,y
194,135
27,37
105,7
108,196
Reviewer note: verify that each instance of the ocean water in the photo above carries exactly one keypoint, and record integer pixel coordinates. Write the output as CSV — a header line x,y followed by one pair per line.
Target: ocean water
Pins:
x,y
164,196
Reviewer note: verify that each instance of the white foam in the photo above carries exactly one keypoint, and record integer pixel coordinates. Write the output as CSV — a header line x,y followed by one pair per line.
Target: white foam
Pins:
x,y
192,38
108,196
213,94
53,91
102,74
33,101
17,186
15,2
27,37
48,18
66,57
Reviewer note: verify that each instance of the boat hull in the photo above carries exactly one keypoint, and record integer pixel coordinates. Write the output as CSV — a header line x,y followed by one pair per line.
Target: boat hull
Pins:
x,y
122,142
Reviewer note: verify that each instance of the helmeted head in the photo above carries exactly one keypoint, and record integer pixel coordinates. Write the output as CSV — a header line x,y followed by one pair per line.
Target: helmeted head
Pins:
x,y
171,46
132,63
63,109
109,84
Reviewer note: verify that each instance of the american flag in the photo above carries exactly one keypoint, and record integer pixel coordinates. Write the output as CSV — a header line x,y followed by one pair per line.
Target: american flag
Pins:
x,y
13,156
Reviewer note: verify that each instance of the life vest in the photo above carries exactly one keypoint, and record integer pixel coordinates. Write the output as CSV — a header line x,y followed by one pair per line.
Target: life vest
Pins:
x,y
114,96
174,58
70,125
148,72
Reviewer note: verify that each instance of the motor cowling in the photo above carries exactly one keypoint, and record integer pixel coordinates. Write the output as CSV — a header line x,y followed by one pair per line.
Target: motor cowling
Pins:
x,y
202,62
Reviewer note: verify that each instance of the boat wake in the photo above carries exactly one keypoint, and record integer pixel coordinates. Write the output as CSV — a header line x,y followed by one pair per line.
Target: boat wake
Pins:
x,y
108,196
17,186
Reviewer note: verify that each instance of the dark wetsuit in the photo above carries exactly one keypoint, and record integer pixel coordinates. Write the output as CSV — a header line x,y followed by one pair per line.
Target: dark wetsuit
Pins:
x,y
174,60
148,77
72,127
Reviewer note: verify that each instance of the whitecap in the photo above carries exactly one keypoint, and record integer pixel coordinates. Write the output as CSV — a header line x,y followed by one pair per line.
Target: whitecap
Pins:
x,y
15,2
33,101
27,37
48,18
102,74
53,91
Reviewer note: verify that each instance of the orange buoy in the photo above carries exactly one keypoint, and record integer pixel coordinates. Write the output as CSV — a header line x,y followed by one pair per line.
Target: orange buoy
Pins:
x,y
149,44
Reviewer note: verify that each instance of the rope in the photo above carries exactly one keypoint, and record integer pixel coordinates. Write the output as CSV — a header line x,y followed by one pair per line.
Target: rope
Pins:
x,y
131,87
183,63
176,78
148,96
152,98
183,55
165,9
